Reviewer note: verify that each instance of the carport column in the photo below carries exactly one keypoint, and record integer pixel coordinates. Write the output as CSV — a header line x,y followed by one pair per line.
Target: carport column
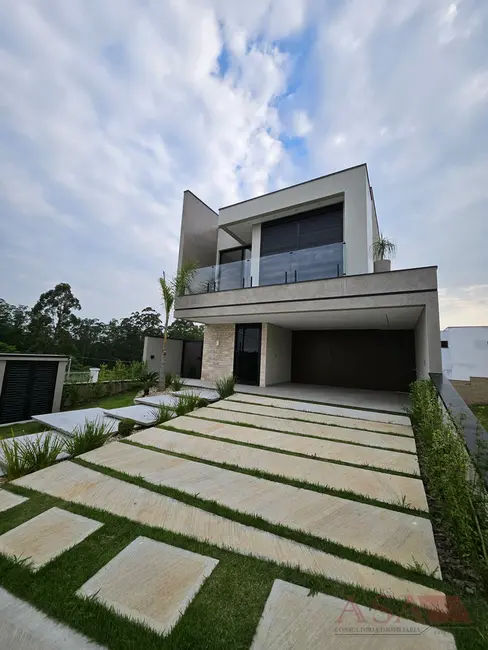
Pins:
x,y
255,253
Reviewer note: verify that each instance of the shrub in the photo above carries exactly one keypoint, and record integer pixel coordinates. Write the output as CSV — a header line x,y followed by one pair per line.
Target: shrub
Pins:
x,y
26,456
169,377
188,402
149,380
225,386
162,413
450,475
90,436
177,383
126,427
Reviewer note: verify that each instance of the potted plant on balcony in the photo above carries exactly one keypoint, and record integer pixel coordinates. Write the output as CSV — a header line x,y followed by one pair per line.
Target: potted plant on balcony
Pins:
x,y
383,250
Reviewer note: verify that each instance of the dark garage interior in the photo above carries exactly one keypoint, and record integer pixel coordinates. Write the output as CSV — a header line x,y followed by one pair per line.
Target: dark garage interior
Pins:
x,y
371,359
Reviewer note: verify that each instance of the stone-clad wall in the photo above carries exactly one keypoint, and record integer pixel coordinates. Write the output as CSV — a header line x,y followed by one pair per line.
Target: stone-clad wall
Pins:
x,y
218,351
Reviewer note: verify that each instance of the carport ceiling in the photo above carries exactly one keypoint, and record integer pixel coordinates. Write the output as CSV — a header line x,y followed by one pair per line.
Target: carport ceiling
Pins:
x,y
352,319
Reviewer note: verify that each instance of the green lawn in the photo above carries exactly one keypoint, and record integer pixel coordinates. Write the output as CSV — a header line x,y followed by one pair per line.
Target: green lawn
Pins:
x,y
111,402
481,413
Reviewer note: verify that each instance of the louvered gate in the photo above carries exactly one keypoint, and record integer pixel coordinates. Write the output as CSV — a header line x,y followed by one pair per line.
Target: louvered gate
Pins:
x,y
28,389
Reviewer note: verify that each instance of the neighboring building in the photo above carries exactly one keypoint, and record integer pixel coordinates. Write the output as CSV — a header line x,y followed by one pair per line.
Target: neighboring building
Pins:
x,y
465,352
286,290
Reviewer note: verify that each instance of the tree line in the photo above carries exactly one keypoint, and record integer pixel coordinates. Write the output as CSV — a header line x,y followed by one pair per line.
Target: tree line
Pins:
x,y
52,326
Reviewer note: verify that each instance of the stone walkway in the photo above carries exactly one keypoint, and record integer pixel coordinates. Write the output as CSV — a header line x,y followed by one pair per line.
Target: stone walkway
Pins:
x,y
381,486
295,619
22,627
298,444
330,432
309,416
154,582
394,535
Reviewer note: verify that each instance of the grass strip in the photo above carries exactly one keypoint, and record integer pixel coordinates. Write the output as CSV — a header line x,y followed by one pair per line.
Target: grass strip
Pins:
x,y
281,478
195,414
218,405
381,470
302,537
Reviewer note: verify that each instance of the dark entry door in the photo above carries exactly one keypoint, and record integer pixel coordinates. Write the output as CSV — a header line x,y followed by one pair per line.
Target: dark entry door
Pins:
x,y
373,359
191,363
28,389
247,354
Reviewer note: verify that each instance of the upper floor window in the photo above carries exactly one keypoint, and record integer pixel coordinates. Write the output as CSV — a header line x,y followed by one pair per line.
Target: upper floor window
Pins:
x,y
310,229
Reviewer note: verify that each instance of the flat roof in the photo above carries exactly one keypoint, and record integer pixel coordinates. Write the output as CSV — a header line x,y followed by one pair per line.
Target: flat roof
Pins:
x,y
311,180
25,355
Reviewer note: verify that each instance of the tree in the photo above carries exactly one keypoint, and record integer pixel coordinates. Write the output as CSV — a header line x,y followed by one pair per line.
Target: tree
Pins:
x,y
185,329
170,290
53,315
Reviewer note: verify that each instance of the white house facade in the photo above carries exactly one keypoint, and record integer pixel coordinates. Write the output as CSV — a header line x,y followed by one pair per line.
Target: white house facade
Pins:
x,y
465,352
287,292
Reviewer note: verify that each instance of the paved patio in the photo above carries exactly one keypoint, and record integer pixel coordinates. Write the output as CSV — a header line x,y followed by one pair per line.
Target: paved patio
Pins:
x,y
358,398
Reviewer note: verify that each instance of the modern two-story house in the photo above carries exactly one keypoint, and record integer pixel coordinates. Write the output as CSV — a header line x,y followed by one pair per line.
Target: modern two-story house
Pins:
x,y
287,291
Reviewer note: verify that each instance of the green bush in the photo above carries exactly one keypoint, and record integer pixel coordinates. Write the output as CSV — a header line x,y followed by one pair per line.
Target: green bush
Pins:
x,y
450,475
169,378
26,456
177,383
87,437
225,386
188,402
149,380
120,371
162,413
126,427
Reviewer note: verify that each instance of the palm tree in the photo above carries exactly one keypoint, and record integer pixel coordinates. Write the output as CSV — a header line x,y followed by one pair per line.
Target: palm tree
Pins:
x,y
169,291
383,248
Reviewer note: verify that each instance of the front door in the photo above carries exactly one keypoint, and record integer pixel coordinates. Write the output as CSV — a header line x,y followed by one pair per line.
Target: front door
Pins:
x,y
247,354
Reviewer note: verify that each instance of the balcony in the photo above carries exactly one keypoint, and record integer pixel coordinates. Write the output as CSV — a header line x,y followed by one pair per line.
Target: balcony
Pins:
x,y
317,263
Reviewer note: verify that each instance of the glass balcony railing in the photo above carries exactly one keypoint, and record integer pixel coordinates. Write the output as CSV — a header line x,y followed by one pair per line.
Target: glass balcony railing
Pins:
x,y
317,263
234,275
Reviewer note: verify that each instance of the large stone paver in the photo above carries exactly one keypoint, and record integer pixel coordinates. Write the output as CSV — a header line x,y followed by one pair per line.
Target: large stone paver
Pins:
x,y
326,449
381,486
82,485
139,413
24,628
9,500
40,539
68,422
295,619
397,536
375,416
380,440
203,393
319,418
150,582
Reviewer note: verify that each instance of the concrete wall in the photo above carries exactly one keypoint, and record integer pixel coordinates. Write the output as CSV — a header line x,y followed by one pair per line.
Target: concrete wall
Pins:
x,y
351,184
218,351
422,347
153,349
275,355
467,354
199,232
62,365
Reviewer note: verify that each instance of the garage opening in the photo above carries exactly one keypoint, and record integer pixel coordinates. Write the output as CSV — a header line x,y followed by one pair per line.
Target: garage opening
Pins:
x,y
370,359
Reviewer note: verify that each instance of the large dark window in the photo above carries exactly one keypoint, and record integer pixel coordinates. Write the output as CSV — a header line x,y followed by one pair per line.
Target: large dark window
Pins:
x,y
305,230
306,246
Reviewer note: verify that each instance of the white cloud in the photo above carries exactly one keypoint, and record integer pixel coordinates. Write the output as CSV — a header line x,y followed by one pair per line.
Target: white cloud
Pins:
x,y
466,306
302,124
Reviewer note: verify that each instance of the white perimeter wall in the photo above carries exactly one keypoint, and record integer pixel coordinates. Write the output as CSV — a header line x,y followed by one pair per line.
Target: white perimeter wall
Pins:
x,y
275,355
467,354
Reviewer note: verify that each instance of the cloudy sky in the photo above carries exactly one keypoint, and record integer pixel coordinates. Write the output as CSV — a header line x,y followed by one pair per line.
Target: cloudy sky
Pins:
x,y
111,108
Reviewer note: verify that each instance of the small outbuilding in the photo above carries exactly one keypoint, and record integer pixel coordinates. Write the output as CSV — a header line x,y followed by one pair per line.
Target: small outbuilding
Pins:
x,y
30,384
